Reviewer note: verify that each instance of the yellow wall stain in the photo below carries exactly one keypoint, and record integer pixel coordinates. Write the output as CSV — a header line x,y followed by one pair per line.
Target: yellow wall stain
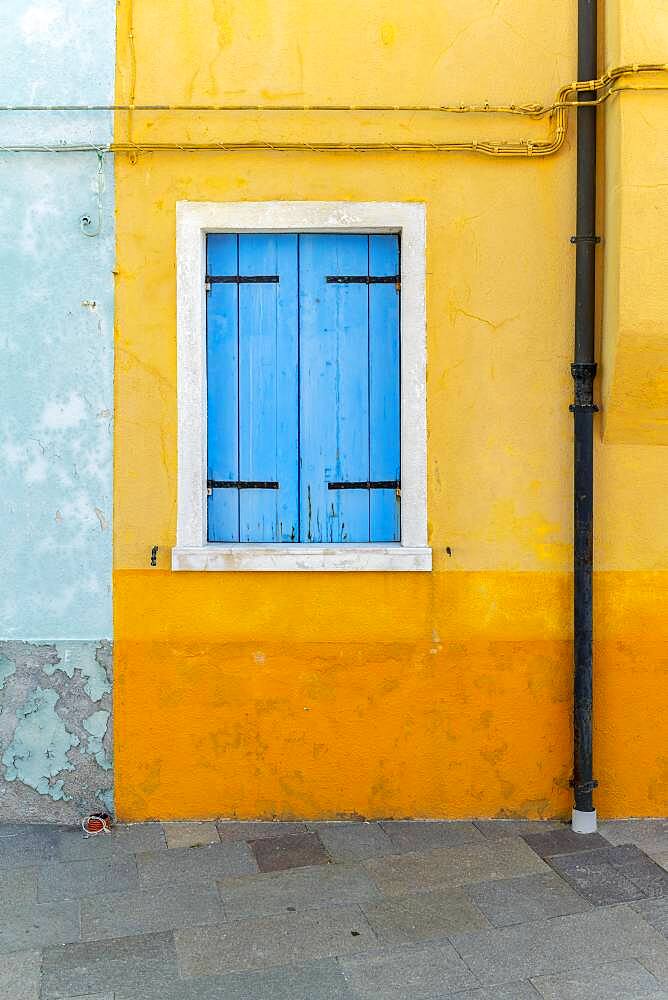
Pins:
x,y
222,14
437,695
388,34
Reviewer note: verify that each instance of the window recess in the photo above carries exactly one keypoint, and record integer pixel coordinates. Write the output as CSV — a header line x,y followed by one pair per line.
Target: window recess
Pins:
x,y
289,389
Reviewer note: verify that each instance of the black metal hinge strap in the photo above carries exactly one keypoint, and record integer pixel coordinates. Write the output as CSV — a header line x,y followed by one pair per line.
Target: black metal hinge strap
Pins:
x,y
362,279
241,279
240,484
379,484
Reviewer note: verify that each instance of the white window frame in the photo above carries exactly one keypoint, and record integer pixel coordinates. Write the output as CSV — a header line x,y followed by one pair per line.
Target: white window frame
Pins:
x,y
194,220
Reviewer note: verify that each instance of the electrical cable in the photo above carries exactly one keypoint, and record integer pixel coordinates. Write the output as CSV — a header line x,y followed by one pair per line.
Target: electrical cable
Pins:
x,y
605,88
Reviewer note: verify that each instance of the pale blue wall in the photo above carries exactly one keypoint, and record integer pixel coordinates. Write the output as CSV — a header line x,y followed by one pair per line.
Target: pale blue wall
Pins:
x,y
56,324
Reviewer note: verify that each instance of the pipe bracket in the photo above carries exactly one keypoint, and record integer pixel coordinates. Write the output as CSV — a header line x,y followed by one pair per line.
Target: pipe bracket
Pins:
x,y
584,787
583,373
586,239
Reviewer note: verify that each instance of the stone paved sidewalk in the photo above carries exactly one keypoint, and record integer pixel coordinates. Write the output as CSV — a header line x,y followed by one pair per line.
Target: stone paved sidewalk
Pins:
x,y
335,911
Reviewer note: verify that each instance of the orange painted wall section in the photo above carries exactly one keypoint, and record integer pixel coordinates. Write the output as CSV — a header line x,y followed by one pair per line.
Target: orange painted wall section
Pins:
x,y
443,694
464,712
392,730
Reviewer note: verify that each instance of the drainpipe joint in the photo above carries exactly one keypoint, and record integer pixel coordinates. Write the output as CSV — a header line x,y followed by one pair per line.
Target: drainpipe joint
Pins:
x,y
583,383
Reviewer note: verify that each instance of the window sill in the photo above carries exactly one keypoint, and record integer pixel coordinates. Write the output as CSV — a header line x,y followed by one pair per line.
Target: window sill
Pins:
x,y
305,558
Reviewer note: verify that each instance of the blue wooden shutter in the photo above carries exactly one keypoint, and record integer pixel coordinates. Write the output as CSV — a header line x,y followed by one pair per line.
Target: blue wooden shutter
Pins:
x,y
222,348
349,388
303,388
384,390
252,388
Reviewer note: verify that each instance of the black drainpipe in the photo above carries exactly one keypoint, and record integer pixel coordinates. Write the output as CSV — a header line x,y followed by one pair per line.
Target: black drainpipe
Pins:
x,y
583,408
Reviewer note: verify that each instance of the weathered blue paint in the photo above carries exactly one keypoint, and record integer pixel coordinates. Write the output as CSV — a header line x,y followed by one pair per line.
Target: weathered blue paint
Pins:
x,y
334,388
38,752
96,726
7,668
223,388
55,732
268,389
73,656
252,388
384,397
303,388
56,387
56,324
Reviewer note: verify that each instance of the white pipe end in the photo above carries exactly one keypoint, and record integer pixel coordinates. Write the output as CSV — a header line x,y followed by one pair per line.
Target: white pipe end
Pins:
x,y
583,822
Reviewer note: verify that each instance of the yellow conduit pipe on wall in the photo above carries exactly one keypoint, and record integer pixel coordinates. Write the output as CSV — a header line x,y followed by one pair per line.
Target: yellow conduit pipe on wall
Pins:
x,y
605,87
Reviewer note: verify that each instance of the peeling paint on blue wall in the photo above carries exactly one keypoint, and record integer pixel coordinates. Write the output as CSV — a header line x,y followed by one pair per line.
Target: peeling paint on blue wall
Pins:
x,y
83,657
38,752
7,668
56,386
55,734
96,725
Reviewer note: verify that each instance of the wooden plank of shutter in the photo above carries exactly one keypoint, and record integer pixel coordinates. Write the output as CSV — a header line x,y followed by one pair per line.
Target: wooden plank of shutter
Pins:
x,y
268,389
334,388
222,389
384,390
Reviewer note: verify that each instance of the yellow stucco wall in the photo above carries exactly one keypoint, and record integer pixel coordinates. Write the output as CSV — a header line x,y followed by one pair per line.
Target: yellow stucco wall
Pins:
x,y
444,694
635,348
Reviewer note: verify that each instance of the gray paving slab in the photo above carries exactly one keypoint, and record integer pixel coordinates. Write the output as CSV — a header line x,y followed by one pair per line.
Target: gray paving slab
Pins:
x,y
599,882
14,829
242,945
422,972
564,841
627,980
532,897
124,839
194,864
39,924
164,908
425,835
296,850
661,857
141,963
18,887
353,841
190,834
421,916
319,980
641,869
91,996
657,964
74,879
244,934
655,912
507,991
398,875
27,847
500,829
613,874
19,975
649,834
295,890
255,830
560,944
